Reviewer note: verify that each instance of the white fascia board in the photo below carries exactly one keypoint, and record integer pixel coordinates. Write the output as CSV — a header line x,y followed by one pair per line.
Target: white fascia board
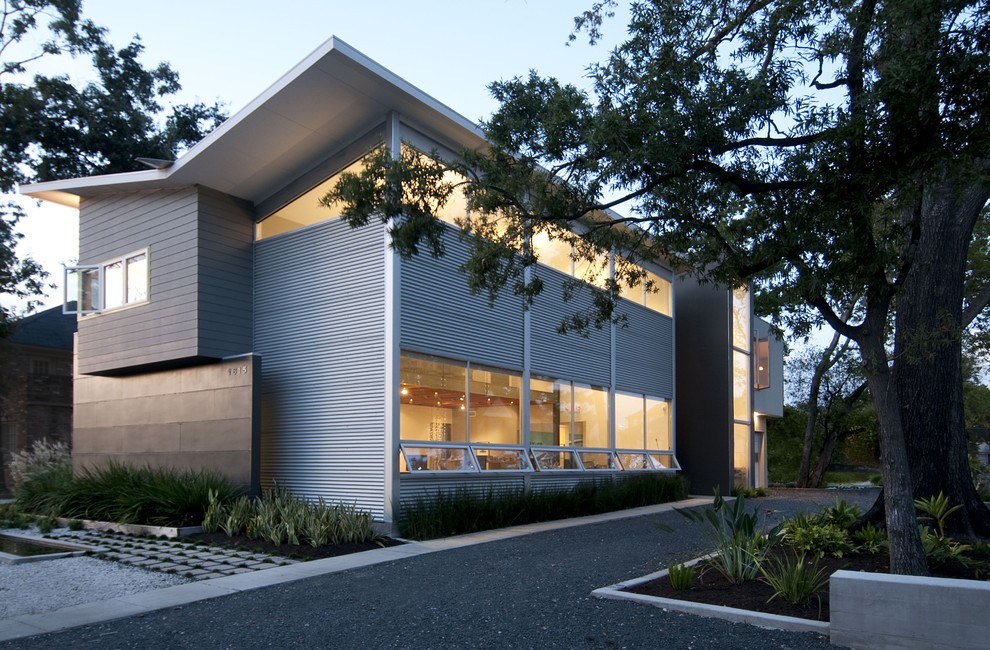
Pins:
x,y
67,192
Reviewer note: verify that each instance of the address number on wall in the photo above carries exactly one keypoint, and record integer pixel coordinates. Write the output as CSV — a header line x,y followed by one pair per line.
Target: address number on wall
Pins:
x,y
238,370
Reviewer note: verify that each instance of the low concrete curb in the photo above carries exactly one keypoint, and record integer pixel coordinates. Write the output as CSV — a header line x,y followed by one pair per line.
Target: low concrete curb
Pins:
x,y
759,619
59,549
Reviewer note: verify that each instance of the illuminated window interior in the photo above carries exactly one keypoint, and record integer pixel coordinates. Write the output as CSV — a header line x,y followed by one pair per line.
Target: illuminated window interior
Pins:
x,y
652,291
458,416
305,210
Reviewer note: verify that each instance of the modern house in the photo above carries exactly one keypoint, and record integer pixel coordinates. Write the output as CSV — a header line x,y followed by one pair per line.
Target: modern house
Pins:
x,y
228,321
35,385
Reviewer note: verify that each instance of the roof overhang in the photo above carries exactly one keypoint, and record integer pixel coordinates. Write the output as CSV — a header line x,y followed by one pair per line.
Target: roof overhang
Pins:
x,y
333,96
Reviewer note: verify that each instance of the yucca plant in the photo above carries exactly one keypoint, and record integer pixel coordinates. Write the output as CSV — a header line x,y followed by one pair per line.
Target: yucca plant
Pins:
x,y
937,510
681,576
795,579
739,544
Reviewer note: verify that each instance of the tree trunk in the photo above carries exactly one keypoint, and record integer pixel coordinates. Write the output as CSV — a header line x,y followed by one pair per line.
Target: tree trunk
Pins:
x,y
817,475
929,347
814,393
906,553
928,353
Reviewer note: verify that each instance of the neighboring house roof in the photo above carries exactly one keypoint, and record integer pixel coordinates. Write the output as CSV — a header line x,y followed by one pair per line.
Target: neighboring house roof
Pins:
x,y
46,329
333,95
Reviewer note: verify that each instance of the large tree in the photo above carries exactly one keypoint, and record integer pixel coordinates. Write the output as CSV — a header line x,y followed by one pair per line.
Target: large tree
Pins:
x,y
54,126
817,150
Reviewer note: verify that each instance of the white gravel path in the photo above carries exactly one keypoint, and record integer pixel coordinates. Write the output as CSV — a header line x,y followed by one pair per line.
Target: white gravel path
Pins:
x,y
36,587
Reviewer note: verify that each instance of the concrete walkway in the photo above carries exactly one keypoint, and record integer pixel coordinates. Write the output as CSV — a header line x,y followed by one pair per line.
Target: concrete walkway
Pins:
x,y
523,587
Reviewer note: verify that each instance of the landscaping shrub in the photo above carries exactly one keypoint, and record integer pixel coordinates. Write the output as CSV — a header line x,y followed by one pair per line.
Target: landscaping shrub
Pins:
x,y
815,536
41,459
740,545
870,539
280,518
455,513
794,579
680,576
124,494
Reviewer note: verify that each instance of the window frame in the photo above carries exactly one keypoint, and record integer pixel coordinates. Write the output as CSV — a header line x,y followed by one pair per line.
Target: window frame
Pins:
x,y
468,455
98,299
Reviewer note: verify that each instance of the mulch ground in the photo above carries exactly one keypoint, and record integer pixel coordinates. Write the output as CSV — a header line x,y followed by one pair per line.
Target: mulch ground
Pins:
x,y
291,551
711,587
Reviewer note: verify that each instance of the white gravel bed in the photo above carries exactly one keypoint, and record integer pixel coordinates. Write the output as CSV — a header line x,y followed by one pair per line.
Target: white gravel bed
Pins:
x,y
36,587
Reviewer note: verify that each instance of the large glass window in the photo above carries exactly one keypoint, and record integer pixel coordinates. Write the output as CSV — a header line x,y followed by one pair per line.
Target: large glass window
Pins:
x,y
439,405
433,404
629,422
740,318
741,387
590,417
642,422
761,365
658,424
544,412
567,414
495,397
553,252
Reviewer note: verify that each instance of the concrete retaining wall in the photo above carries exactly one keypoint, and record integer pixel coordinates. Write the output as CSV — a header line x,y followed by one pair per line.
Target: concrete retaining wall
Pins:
x,y
877,610
189,418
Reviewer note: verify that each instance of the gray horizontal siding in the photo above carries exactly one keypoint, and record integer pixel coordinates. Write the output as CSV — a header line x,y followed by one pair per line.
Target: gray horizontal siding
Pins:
x,y
200,259
440,314
644,352
571,355
165,328
319,308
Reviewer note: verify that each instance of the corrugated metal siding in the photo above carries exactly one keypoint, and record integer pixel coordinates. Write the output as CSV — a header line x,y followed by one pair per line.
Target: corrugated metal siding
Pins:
x,y
440,314
571,355
320,330
427,488
166,327
644,352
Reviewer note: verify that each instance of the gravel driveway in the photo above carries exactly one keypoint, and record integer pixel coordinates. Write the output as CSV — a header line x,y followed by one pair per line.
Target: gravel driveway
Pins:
x,y
524,592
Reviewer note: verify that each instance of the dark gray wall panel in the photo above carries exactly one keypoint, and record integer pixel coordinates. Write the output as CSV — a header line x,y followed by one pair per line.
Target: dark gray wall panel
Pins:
x,y
644,352
226,257
571,355
704,386
440,314
320,327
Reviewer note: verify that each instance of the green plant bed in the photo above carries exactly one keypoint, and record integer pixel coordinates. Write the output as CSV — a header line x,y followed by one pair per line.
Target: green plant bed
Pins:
x,y
123,494
463,512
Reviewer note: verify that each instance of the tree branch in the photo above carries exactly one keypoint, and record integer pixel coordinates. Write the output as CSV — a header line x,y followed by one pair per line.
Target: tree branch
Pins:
x,y
976,305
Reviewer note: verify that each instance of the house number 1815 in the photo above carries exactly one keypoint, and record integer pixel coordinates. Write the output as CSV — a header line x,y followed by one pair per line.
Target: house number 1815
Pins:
x,y
239,370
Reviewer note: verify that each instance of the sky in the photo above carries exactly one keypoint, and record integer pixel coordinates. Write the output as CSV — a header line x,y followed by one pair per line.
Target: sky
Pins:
x,y
232,51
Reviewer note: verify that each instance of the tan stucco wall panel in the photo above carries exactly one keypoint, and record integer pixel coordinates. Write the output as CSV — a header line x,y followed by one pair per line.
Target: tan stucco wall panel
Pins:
x,y
218,435
203,417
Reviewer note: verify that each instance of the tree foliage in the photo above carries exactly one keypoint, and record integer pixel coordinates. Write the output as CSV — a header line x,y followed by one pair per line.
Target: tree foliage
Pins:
x,y
816,150
54,126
